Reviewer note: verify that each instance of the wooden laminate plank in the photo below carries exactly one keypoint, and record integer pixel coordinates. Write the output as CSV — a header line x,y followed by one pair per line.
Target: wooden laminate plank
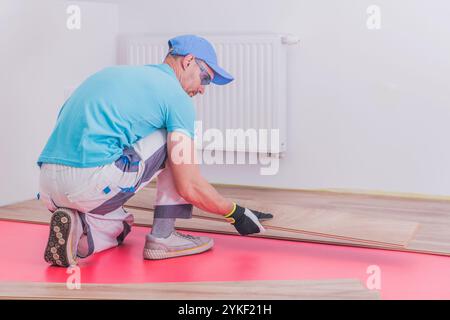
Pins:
x,y
32,211
431,238
336,289
332,224
326,223
433,235
318,199
276,232
21,208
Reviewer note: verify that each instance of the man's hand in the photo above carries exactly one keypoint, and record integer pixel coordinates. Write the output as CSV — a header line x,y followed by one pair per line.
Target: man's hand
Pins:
x,y
246,221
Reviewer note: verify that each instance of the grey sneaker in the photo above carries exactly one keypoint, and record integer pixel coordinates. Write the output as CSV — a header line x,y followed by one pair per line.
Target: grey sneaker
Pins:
x,y
175,245
65,231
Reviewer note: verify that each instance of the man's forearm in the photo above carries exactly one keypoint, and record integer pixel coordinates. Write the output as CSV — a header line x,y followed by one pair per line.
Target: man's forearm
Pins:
x,y
204,196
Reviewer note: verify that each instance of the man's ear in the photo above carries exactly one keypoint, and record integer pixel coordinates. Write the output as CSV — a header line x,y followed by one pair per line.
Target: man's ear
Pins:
x,y
187,61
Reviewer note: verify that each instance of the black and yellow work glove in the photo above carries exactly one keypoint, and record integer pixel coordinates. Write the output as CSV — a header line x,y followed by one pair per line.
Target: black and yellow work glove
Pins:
x,y
246,221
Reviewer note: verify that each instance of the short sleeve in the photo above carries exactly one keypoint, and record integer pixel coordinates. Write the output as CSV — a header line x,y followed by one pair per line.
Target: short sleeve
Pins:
x,y
180,116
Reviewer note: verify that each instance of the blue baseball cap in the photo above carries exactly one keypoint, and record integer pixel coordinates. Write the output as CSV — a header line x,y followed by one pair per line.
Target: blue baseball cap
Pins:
x,y
203,50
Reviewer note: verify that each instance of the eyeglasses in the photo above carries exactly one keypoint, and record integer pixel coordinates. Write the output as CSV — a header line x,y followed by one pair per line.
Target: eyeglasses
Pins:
x,y
205,78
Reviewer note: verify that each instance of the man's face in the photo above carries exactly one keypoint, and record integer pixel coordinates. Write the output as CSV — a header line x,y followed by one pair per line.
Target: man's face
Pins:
x,y
191,76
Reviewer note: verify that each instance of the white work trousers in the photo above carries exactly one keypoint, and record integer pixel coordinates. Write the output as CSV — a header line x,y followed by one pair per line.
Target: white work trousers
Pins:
x,y
99,193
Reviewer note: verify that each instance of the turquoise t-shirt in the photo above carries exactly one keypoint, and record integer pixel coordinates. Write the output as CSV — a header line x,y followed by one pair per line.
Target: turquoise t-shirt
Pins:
x,y
113,109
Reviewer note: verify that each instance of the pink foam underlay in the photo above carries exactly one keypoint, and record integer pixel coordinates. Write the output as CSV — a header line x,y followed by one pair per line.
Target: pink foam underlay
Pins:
x,y
233,258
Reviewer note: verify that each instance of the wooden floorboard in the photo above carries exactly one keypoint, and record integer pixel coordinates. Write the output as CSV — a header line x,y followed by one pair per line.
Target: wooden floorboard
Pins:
x,y
331,224
33,211
336,289
314,221
433,235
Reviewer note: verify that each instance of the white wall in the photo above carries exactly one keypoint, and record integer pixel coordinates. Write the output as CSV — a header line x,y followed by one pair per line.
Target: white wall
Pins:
x,y
40,60
368,110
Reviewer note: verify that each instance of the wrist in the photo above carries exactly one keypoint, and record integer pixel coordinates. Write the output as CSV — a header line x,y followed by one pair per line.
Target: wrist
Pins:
x,y
236,215
233,209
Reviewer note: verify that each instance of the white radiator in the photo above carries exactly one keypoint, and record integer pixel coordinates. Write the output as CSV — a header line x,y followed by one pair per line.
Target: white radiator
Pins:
x,y
256,99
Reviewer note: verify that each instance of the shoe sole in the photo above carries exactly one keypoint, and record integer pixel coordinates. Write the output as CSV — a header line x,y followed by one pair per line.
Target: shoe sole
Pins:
x,y
150,254
59,246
